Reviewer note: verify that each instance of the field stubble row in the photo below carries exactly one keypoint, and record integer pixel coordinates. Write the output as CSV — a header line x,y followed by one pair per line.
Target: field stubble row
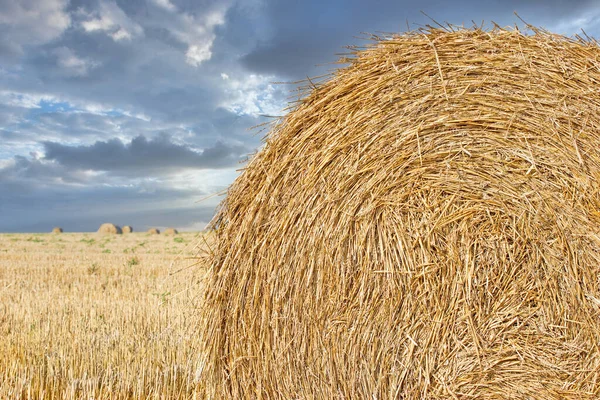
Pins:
x,y
93,316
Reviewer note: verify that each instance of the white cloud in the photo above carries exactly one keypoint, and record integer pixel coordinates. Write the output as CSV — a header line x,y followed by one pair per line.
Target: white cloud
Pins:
x,y
195,30
73,105
166,4
71,64
140,116
24,100
253,95
98,24
198,33
589,21
113,21
33,22
121,34
198,53
6,163
97,108
209,181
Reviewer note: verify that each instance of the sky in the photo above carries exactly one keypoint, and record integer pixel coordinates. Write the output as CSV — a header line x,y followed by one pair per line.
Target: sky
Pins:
x,y
135,111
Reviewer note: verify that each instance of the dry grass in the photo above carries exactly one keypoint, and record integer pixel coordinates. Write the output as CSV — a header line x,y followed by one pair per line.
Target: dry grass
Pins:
x,y
86,316
109,228
424,224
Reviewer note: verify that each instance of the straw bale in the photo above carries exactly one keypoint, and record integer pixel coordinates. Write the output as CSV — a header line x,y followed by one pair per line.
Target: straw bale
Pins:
x,y
153,231
127,229
171,231
57,229
425,223
109,228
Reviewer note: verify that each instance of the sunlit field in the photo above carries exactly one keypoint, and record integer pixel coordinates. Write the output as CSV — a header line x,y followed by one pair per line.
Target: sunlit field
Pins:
x,y
96,316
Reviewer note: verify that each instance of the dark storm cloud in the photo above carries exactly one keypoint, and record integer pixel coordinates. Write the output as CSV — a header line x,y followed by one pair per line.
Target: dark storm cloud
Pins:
x,y
143,155
304,34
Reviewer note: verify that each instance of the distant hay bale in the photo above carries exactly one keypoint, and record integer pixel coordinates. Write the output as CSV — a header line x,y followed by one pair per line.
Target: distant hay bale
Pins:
x,y
127,229
153,231
424,224
170,231
57,229
109,228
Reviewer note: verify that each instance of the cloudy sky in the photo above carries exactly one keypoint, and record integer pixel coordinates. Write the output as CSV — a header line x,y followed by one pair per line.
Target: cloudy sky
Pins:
x,y
131,111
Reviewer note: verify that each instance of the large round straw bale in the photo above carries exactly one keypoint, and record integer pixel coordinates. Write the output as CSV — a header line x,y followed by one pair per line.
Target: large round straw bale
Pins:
x,y
127,229
170,231
57,229
153,231
424,224
109,228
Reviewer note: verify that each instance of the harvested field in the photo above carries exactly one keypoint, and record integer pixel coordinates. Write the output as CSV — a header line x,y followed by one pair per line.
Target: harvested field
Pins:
x,y
85,316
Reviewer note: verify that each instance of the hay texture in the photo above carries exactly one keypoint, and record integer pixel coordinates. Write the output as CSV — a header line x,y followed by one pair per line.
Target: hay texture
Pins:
x,y
57,229
170,231
109,228
153,231
423,224
127,229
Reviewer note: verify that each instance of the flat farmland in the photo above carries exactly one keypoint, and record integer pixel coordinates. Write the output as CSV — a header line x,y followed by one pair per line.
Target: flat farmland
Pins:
x,y
85,315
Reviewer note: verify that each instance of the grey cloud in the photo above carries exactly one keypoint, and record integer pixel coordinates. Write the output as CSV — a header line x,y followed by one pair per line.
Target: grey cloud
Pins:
x,y
25,169
30,22
306,34
24,129
36,194
76,124
150,78
61,126
292,57
9,51
238,127
34,20
71,64
148,74
143,155
28,207
11,115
